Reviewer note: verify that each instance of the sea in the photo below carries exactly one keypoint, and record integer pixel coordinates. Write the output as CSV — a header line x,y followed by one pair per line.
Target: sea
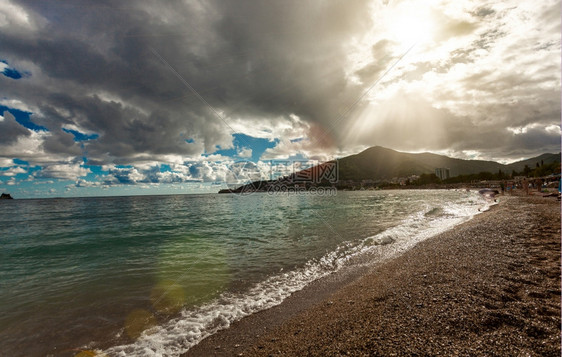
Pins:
x,y
154,275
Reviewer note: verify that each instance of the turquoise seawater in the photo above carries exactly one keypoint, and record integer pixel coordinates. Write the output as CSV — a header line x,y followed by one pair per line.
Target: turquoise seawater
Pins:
x,y
153,275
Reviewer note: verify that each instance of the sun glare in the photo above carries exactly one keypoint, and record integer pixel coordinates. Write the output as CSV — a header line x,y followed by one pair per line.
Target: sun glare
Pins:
x,y
409,24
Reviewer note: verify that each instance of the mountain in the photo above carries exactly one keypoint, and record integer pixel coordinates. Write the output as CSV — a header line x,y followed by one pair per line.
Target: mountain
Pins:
x,y
379,163
532,163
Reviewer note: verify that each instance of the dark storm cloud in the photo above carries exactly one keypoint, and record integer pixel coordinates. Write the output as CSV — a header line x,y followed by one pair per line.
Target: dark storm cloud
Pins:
x,y
123,131
11,130
246,58
62,143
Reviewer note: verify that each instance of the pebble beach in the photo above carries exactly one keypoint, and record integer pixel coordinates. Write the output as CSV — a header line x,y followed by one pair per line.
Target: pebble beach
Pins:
x,y
490,286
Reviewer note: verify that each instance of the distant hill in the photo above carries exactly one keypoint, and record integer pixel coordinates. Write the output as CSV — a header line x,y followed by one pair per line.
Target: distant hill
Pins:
x,y
531,163
378,163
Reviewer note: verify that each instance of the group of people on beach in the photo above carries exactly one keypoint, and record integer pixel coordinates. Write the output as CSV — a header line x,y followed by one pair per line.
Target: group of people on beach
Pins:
x,y
527,185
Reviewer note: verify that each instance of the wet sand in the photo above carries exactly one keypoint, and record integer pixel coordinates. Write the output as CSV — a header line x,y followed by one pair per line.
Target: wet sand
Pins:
x,y
490,286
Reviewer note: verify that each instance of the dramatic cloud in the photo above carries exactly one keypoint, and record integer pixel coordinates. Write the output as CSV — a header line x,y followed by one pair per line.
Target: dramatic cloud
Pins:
x,y
10,130
486,70
138,85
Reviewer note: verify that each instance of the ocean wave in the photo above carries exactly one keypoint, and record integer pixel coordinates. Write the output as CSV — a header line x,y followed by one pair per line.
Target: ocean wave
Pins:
x,y
193,325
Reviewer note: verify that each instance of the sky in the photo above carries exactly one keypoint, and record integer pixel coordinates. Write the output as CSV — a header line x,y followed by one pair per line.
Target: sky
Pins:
x,y
151,97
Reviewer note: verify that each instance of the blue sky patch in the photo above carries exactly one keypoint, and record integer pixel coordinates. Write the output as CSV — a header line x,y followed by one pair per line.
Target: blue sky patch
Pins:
x,y
11,72
95,169
20,162
242,141
78,136
23,118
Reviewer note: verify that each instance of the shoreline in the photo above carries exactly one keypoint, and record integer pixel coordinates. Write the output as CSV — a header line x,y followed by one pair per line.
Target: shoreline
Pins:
x,y
469,290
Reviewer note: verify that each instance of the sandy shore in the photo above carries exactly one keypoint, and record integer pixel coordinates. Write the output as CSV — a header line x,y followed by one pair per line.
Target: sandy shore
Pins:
x,y
490,286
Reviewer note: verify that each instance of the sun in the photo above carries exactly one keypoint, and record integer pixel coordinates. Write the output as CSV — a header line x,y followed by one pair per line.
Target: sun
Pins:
x,y
409,23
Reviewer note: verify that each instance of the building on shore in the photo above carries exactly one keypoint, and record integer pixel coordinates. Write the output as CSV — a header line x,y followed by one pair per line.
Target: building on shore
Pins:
x,y
443,173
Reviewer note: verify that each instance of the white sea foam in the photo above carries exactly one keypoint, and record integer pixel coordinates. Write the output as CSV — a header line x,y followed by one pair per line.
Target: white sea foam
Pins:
x,y
180,334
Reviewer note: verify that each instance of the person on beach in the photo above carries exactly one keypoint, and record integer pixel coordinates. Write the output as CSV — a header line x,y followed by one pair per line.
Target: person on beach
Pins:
x,y
526,186
539,185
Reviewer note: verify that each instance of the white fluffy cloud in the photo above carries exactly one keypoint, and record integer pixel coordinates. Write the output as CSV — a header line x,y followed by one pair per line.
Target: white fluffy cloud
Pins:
x,y
13,171
245,153
63,171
